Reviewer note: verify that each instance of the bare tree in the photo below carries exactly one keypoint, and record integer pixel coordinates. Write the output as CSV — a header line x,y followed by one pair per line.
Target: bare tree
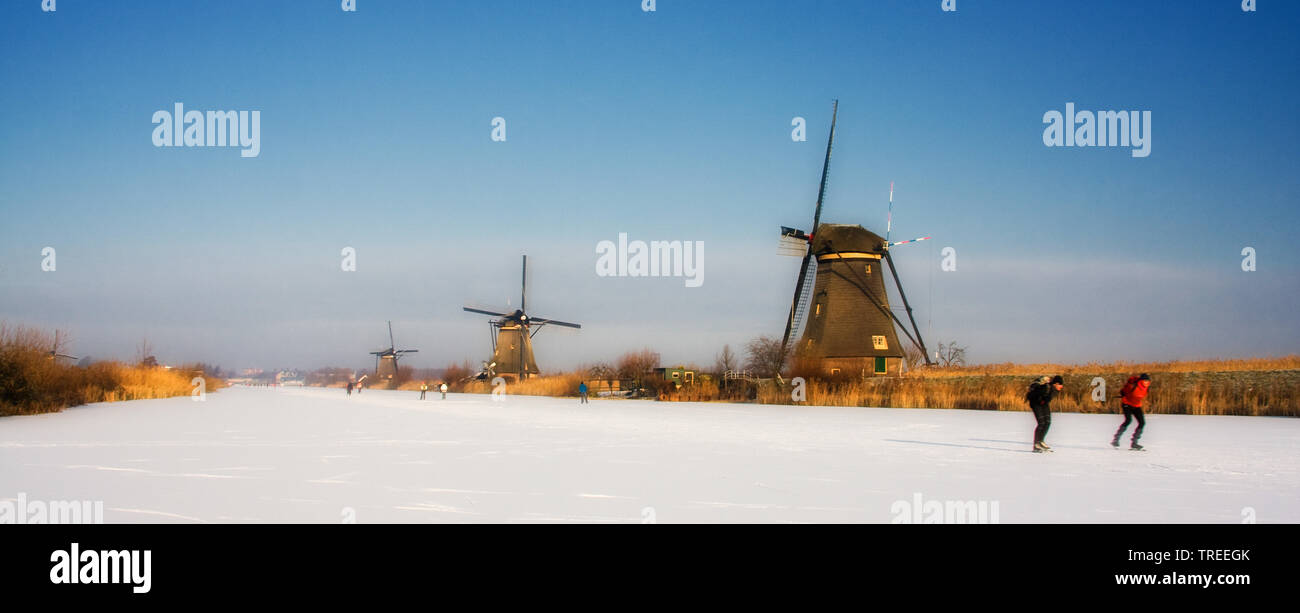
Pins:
x,y
766,356
601,370
951,354
914,357
635,364
725,361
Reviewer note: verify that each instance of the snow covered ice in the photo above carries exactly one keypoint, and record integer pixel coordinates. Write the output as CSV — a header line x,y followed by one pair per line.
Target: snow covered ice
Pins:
x,y
318,455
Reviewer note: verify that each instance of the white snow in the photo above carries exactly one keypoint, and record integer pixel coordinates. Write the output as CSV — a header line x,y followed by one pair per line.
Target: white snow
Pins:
x,y
316,455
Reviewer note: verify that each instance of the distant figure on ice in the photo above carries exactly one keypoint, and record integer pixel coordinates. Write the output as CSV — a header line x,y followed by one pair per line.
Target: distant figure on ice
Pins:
x,y
349,388
1040,397
424,387
1131,400
360,384
582,393
443,389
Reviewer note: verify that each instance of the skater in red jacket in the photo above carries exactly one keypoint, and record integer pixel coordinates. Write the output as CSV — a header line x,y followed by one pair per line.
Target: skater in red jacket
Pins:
x,y
1134,392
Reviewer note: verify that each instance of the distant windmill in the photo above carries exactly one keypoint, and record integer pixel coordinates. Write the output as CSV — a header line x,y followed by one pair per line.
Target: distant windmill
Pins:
x,y
388,357
840,303
54,350
512,345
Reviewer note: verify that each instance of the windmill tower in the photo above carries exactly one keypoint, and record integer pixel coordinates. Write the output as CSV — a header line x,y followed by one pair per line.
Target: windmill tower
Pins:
x,y
512,333
386,359
840,304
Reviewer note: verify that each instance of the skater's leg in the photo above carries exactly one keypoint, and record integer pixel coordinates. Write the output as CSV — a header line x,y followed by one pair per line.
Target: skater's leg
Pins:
x,y
1044,417
1142,422
1128,417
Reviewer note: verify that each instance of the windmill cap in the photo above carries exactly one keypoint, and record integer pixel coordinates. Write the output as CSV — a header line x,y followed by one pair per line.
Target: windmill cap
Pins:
x,y
845,237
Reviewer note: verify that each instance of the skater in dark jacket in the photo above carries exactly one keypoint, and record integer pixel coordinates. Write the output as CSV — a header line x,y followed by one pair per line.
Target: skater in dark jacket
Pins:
x,y
349,388
1131,400
1040,397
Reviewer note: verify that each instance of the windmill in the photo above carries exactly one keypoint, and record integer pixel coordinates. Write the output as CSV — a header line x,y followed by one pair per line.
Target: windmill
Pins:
x,y
54,350
512,333
388,357
840,304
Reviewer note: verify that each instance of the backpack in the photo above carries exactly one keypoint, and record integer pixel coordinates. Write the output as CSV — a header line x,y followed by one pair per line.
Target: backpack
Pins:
x,y
1035,386
1129,387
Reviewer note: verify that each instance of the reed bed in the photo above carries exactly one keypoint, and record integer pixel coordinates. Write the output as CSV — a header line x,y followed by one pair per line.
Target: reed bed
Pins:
x,y
32,381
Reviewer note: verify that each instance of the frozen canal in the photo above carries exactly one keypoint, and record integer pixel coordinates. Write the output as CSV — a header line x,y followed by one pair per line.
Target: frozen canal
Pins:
x,y
315,455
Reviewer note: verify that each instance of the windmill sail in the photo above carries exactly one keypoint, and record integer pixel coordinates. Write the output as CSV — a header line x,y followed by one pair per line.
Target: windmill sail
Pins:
x,y
808,267
801,307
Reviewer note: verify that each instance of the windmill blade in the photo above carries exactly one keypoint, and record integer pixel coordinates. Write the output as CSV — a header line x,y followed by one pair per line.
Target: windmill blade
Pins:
x,y
523,285
801,307
799,290
485,312
537,321
404,351
919,341
793,242
910,240
391,342
826,167
817,216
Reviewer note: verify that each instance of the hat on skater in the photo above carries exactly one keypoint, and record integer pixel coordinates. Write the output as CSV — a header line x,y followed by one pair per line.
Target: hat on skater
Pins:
x,y
1145,377
1058,379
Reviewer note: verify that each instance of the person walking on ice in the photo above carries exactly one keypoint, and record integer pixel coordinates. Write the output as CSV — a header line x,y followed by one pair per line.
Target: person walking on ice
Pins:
x,y
1040,395
1131,398
443,388
424,388
582,393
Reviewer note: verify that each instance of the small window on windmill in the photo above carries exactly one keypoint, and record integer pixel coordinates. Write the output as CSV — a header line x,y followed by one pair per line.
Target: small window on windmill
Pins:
x,y
835,371
868,268
817,310
879,342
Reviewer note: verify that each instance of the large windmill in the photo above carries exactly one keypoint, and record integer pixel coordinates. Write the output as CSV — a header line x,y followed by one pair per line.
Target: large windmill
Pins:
x,y
387,358
512,333
840,303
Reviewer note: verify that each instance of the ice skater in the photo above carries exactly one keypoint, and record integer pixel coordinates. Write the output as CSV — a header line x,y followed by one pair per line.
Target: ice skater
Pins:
x,y
582,393
1131,398
350,385
424,388
1040,397
443,389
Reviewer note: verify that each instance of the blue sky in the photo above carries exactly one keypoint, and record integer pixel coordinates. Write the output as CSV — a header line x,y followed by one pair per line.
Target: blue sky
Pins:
x,y
671,125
